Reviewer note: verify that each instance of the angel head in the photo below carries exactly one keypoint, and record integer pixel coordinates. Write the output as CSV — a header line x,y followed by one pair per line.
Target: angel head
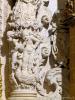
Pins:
x,y
45,51
45,21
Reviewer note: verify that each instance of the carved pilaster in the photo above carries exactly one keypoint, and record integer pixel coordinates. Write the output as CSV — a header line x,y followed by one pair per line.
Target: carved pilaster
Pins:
x,y
29,47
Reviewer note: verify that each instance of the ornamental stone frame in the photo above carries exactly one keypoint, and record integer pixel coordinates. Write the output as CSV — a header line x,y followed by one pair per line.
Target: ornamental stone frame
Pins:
x,y
28,46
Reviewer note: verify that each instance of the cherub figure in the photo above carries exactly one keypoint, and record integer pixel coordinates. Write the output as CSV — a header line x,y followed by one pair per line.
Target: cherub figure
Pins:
x,y
42,70
43,10
31,42
17,59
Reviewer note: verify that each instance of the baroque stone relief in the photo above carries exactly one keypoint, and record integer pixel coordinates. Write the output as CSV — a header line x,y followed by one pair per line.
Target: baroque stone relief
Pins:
x,y
31,36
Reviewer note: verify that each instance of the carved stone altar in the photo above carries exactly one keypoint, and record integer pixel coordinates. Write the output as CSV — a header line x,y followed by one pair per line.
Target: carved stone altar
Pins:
x,y
31,38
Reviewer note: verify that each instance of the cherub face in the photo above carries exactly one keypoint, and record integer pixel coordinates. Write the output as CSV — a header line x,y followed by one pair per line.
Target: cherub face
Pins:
x,y
45,51
15,66
45,21
20,53
10,35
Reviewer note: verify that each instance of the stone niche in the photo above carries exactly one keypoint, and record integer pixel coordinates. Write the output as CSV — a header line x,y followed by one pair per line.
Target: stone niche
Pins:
x,y
28,50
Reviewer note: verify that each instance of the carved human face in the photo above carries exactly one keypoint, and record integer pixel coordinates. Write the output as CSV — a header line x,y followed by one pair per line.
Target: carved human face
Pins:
x,y
59,79
45,52
20,54
15,66
45,21
10,35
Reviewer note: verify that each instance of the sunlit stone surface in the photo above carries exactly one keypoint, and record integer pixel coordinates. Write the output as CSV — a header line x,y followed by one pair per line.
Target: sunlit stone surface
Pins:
x,y
31,39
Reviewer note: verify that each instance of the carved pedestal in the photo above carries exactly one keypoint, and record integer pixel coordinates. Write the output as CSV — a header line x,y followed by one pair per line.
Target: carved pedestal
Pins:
x,y
23,95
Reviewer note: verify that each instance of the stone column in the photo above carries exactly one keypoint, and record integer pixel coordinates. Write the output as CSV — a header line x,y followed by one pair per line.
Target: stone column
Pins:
x,y
29,46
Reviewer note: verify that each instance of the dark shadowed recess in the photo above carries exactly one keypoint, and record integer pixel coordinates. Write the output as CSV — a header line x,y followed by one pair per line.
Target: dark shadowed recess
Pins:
x,y
12,3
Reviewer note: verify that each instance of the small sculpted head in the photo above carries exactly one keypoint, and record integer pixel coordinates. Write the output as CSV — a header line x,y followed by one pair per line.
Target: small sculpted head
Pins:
x,y
10,35
45,51
20,53
45,21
